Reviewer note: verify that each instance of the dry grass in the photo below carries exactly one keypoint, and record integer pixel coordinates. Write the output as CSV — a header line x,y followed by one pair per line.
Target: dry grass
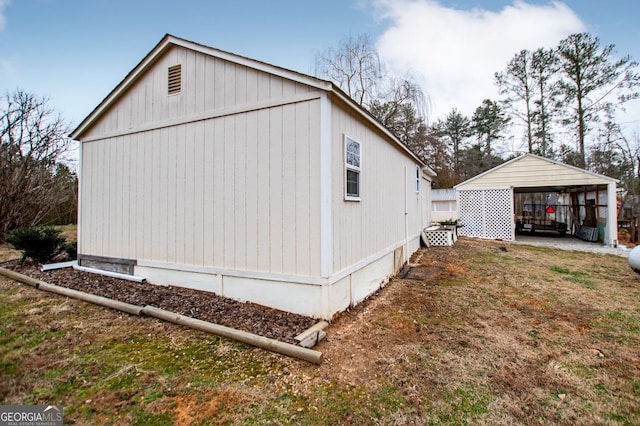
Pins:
x,y
483,333
7,252
504,334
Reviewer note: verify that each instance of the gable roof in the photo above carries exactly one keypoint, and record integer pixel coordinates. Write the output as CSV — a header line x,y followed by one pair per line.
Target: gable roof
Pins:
x,y
169,40
444,194
533,171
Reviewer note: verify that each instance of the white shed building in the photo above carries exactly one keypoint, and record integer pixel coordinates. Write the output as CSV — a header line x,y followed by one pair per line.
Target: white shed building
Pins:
x,y
487,209
444,204
210,170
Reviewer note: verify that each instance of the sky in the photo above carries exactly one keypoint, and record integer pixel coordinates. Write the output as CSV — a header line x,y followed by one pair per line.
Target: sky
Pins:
x,y
76,51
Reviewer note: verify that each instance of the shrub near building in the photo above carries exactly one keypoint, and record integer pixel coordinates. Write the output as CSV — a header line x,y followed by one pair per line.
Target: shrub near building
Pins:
x,y
40,243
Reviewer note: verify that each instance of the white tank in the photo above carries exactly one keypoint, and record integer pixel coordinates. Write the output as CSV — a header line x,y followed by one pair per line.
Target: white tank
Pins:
x,y
634,259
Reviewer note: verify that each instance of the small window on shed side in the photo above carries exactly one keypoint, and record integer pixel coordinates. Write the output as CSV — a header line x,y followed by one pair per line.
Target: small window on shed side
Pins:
x,y
353,168
174,79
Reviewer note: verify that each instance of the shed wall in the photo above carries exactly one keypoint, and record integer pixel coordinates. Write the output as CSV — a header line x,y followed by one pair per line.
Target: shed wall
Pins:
x,y
208,84
237,185
239,192
376,223
530,171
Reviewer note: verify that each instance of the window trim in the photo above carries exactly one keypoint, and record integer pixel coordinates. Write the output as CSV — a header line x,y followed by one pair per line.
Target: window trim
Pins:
x,y
418,177
353,168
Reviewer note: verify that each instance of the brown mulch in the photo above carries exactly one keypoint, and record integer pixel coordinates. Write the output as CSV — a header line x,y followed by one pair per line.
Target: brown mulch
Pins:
x,y
206,306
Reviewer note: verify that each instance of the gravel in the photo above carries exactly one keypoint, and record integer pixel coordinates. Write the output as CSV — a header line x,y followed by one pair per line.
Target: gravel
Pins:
x,y
571,243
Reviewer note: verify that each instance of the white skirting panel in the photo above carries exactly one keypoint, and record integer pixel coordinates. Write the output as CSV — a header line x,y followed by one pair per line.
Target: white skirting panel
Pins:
x,y
370,278
305,299
305,296
414,244
194,280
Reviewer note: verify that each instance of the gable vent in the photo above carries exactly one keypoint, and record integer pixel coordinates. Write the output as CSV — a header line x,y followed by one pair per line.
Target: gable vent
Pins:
x,y
175,79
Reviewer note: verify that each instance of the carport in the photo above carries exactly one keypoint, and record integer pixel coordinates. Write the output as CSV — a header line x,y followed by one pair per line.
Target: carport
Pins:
x,y
536,192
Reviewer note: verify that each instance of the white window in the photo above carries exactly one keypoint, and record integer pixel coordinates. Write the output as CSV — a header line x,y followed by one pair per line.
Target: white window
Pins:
x,y
443,206
418,179
352,156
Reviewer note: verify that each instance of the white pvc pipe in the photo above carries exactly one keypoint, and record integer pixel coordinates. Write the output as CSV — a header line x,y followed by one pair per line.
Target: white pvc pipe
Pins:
x,y
59,265
110,274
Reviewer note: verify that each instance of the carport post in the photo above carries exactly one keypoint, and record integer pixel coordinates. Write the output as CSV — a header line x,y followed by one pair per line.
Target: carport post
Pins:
x,y
611,232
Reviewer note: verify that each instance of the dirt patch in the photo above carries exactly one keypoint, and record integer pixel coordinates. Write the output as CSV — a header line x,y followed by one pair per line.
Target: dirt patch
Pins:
x,y
209,407
624,237
490,327
250,317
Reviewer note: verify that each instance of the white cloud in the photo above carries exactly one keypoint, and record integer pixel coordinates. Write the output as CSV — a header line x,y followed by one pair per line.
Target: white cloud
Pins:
x,y
3,19
7,69
456,52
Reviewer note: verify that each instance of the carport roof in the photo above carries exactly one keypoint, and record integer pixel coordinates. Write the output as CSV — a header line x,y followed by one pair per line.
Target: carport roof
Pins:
x,y
532,173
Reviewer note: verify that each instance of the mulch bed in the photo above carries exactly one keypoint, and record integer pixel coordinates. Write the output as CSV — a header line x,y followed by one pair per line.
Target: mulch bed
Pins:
x,y
250,317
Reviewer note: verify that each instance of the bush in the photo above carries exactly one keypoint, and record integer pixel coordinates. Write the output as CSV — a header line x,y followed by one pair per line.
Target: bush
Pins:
x,y
71,248
40,243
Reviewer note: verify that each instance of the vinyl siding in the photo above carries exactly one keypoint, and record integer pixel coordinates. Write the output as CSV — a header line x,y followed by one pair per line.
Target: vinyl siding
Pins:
x,y
208,84
238,191
364,228
530,171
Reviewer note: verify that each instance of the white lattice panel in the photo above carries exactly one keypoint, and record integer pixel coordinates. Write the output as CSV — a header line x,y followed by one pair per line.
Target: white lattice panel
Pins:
x,y
440,237
486,213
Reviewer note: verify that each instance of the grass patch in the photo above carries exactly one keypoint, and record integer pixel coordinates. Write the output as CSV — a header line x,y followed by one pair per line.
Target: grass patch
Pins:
x,y
577,277
143,418
464,404
619,325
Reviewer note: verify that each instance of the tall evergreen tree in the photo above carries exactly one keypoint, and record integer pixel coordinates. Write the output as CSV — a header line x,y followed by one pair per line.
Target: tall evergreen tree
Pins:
x,y
518,85
592,80
405,123
455,129
489,123
544,70
439,158
529,86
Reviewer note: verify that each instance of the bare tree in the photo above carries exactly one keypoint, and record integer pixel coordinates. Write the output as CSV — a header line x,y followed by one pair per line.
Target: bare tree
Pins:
x,y
32,142
354,66
630,179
